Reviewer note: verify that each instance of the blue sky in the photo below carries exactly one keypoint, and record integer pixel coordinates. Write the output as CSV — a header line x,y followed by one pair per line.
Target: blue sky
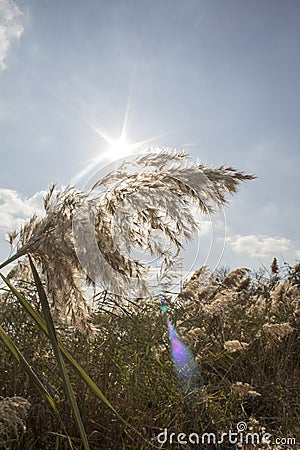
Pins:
x,y
218,78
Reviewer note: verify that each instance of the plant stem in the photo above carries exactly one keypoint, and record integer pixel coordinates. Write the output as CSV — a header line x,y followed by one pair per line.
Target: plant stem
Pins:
x,y
13,258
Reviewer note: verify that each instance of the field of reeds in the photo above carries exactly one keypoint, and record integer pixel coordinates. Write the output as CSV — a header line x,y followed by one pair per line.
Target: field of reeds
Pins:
x,y
243,329
94,369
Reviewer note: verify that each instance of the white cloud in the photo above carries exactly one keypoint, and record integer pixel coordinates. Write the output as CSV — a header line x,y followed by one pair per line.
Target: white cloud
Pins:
x,y
205,227
10,27
210,224
261,246
14,210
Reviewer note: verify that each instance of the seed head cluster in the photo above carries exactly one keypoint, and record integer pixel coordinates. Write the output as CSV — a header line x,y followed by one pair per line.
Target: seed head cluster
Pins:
x,y
144,204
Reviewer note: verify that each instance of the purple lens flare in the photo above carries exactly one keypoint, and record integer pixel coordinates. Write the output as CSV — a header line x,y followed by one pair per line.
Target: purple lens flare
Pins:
x,y
183,359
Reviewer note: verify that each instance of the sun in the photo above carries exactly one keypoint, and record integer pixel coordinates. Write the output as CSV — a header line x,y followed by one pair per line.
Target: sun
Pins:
x,y
119,148
115,149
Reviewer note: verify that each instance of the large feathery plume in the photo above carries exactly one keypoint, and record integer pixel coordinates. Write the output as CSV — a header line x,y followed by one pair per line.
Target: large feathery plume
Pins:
x,y
91,237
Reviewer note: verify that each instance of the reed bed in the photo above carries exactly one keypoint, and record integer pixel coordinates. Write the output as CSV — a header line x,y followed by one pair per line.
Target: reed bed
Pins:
x,y
243,329
89,367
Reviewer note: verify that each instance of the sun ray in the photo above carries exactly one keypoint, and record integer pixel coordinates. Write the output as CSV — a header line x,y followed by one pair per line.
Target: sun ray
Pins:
x,y
116,148
126,115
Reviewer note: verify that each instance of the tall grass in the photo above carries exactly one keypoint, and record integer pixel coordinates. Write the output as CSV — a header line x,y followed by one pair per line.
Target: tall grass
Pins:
x,y
96,373
87,237
243,329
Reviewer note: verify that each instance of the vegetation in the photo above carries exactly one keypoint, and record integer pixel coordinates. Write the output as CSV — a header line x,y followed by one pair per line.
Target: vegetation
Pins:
x,y
243,330
96,373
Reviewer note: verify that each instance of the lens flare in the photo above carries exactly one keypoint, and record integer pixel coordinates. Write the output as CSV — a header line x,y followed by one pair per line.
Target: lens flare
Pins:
x,y
183,359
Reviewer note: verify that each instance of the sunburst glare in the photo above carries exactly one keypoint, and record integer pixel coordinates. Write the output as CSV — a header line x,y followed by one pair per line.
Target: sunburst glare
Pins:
x,y
116,148
113,149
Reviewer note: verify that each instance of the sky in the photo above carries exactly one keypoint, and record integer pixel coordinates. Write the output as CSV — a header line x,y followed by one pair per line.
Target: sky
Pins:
x,y
219,78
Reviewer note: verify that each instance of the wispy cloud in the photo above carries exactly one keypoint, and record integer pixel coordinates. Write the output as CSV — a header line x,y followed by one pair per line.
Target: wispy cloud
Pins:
x,y
260,246
14,209
11,27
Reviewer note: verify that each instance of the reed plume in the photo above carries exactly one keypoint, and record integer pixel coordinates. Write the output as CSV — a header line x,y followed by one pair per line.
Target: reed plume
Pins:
x,y
90,237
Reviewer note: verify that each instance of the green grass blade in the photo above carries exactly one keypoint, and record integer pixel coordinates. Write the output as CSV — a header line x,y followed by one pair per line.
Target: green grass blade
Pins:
x,y
78,368
28,369
60,361
35,315
41,324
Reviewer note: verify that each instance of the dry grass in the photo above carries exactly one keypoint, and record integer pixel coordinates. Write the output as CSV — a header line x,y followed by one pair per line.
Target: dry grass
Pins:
x,y
84,236
130,361
13,416
243,328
